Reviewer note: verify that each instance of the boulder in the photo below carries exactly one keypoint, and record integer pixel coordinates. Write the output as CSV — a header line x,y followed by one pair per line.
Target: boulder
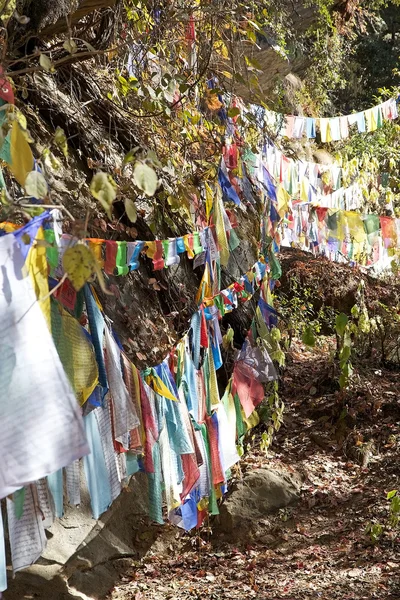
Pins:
x,y
260,493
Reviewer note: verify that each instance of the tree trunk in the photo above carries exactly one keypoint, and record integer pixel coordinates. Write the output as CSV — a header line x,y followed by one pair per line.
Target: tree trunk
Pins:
x,y
85,8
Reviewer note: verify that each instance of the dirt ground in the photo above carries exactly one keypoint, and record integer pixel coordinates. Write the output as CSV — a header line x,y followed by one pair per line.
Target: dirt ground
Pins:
x,y
345,448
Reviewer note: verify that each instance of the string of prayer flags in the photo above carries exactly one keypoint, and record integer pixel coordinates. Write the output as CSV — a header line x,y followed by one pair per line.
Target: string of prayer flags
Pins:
x,y
331,129
365,239
119,258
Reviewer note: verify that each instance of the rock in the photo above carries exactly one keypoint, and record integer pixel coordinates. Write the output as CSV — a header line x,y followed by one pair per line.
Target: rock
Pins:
x,y
262,492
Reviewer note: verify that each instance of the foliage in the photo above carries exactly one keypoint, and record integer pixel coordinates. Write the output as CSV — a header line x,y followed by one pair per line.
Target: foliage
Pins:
x,y
374,161
271,414
300,317
376,530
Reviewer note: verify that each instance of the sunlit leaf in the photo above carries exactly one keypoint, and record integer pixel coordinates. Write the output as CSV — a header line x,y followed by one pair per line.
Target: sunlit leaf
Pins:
x,y
7,8
252,62
130,209
79,264
70,46
221,48
153,158
60,140
104,189
46,63
145,178
130,156
36,185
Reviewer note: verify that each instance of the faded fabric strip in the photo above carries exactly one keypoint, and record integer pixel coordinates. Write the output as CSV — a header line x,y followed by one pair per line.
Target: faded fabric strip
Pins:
x,y
55,483
73,483
218,475
103,418
95,468
226,439
124,414
45,503
27,535
97,326
155,490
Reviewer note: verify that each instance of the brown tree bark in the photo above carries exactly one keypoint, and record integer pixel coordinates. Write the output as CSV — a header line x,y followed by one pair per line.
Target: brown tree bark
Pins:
x,y
85,8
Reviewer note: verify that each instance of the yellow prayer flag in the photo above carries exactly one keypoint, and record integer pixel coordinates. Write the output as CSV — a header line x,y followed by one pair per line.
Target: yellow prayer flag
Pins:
x,y
209,200
36,264
159,387
136,385
205,289
151,249
356,226
220,228
283,200
304,189
189,250
21,155
370,119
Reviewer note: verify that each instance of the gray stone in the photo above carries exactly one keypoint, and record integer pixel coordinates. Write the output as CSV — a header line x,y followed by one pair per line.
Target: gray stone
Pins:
x,y
262,492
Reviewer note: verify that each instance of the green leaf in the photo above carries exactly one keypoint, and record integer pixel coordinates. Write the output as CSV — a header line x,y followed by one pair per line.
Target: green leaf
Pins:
x,y
347,338
130,156
252,62
391,494
183,87
345,354
130,210
70,46
233,112
104,189
341,322
145,178
308,337
239,78
153,158
275,334
227,340
36,185
46,63
60,139
252,36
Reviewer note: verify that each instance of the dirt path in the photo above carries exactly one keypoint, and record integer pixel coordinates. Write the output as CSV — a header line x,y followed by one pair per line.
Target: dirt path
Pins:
x,y
346,450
